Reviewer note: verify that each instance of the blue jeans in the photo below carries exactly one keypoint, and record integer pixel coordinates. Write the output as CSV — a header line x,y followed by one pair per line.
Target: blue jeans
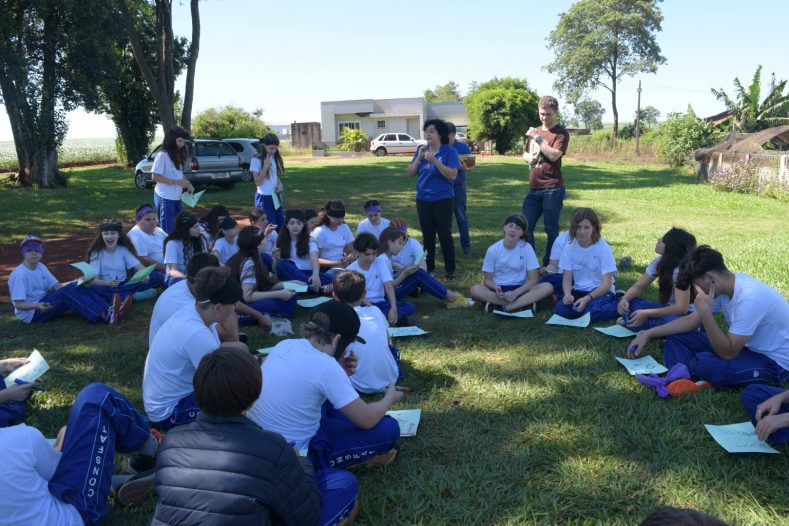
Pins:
x,y
548,203
167,209
755,394
87,302
637,304
185,412
600,309
274,307
422,279
460,215
339,490
275,216
288,271
404,308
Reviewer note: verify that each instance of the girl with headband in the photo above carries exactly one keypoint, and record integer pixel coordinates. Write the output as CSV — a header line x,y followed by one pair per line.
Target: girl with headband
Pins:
x,y
374,224
148,239
183,242
511,271
38,297
412,250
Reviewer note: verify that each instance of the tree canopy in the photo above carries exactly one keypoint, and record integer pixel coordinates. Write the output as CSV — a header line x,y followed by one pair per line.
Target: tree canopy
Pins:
x,y
229,121
590,113
748,111
501,110
446,93
597,42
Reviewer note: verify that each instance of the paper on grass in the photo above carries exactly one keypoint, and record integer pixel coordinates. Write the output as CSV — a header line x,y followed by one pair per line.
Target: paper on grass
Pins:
x,y
739,438
141,274
87,271
616,331
420,258
312,302
408,420
191,199
295,287
519,314
643,365
583,321
31,371
396,332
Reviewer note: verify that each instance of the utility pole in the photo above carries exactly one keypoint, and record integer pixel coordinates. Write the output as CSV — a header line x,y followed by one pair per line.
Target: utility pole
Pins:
x,y
638,121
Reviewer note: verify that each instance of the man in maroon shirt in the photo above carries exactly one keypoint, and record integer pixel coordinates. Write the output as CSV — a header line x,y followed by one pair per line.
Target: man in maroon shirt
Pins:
x,y
545,148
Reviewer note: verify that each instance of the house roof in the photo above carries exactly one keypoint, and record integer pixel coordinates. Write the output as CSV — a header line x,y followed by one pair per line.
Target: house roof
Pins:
x,y
747,142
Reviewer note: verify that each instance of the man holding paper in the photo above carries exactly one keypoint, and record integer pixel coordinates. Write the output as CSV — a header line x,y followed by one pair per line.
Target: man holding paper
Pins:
x,y
756,347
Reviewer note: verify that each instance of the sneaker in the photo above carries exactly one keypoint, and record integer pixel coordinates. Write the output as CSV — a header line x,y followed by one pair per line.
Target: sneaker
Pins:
x,y
460,303
487,308
681,387
125,306
113,309
140,463
382,460
137,489
449,276
351,518
620,321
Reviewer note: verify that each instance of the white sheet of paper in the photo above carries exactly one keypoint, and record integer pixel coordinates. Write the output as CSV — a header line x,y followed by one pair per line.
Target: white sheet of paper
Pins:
x,y
141,274
87,271
295,287
408,420
616,331
398,332
312,302
265,350
739,438
520,314
275,200
643,365
191,199
31,371
583,321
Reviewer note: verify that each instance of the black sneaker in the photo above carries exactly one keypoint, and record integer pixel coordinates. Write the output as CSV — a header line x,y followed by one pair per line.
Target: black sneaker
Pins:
x,y
449,276
137,489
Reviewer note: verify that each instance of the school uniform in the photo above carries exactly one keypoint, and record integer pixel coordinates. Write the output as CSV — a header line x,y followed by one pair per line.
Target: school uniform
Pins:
x,y
167,197
509,266
264,192
174,254
150,246
225,249
332,243
366,226
303,387
588,265
299,268
755,310
637,304
418,280
379,273
170,365
115,266
275,307
755,394
378,362
169,302
555,279
411,251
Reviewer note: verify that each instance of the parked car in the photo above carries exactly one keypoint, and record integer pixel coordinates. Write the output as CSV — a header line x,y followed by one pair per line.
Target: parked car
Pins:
x,y
461,137
247,148
387,143
209,162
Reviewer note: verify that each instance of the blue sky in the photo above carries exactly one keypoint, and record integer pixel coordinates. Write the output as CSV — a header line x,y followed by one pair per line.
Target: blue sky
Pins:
x,y
287,57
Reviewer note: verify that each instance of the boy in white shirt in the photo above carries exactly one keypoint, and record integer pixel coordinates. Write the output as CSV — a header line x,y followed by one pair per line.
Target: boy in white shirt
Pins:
x,y
756,347
378,360
308,398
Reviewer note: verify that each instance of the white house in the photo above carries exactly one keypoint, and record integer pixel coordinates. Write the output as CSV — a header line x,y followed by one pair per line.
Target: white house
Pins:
x,y
386,115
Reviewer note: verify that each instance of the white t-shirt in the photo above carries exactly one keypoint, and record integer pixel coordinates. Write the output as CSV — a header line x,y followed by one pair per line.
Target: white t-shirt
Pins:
x,y
331,243
173,299
558,246
113,266
269,185
29,286
375,277
366,226
174,254
149,245
303,263
172,360
298,379
653,273
164,166
412,249
226,250
510,266
28,463
248,276
759,311
588,264
376,367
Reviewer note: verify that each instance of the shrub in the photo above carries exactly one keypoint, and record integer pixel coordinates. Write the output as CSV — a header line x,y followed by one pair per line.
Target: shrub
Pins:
x,y
680,135
353,140
229,121
743,177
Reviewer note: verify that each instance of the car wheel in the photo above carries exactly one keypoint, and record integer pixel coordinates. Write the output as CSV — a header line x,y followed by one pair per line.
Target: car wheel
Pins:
x,y
380,152
246,175
139,180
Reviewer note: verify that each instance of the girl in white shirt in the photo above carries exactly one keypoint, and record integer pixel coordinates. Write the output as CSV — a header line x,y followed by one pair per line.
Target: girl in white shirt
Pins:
x,y
511,271
225,246
267,169
183,242
333,236
588,268
298,254
148,239
374,224
168,174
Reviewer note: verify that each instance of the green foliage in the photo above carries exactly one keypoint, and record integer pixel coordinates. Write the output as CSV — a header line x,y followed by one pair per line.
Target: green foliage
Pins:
x,y
597,42
649,118
446,93
501,110
590,113
747,113
353,140
229,121
681,134
743,177
627,131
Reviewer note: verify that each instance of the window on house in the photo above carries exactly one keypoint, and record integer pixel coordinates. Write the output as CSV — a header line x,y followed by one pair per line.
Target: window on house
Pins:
x,y
350,125
381,124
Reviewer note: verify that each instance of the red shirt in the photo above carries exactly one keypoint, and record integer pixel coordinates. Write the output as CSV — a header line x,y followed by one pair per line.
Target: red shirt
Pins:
x,y
547,173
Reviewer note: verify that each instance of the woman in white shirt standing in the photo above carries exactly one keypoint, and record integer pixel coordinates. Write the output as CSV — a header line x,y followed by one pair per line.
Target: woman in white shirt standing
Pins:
x,y
168,174
267,169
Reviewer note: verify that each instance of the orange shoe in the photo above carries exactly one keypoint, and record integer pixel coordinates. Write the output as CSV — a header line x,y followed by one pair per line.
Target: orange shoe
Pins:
x,y
681,387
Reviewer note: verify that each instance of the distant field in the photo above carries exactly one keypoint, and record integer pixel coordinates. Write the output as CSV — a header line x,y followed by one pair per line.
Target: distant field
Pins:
x,y
72,151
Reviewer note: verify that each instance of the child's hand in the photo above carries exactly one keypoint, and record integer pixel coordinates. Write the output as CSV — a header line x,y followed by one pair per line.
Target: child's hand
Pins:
x,y
769,424
392,317
580,305
43,306
10,364
498,291
284,294
269,229
316,282
568,299
637,345
393,394
511,296
637,318
19,392
623,306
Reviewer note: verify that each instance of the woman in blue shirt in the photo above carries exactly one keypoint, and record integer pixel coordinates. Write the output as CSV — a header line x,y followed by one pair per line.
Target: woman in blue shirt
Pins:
x,y
436,167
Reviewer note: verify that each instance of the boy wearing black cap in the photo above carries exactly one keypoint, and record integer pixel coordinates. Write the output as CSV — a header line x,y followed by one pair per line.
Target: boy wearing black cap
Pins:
x,y
179,345
308,398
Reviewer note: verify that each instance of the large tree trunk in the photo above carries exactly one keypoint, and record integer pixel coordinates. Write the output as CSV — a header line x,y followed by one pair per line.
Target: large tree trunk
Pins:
x,y
194,50
44,165
135,140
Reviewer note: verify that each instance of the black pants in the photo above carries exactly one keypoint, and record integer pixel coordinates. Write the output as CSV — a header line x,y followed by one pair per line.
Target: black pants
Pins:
x,y
435,217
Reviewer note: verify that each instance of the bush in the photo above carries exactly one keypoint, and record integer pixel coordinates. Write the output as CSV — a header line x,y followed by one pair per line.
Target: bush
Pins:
x,y
627,131
353,140
680,135
229,121
743,177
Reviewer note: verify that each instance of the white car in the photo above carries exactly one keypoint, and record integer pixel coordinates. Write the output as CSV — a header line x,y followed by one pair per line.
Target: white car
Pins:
x,y
387,143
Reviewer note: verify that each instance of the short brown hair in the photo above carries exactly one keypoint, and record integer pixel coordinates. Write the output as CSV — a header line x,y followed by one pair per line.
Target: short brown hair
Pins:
x,y
549,102
227,382
348,286
209,280
585,213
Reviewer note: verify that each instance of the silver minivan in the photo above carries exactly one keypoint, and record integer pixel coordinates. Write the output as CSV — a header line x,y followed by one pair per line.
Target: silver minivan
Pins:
x,y
209,162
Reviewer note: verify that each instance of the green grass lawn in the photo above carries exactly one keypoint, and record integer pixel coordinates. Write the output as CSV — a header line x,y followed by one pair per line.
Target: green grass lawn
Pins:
x,y
521,423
